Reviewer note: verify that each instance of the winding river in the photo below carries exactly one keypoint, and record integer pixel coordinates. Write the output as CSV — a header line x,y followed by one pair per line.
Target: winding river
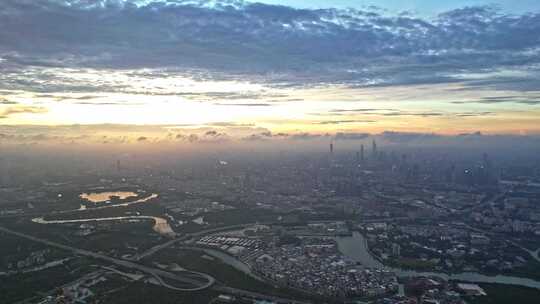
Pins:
x,y
161,225
355,247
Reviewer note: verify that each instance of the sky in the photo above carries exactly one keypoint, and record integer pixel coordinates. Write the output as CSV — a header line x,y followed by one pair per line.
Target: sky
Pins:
x,y
278,67
427,8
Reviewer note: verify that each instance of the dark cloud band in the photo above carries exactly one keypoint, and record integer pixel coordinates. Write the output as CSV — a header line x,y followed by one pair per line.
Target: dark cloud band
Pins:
x,y
279,44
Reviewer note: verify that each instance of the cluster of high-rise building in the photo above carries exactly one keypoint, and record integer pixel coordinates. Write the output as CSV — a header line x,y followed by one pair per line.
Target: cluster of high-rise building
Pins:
x,y
413,168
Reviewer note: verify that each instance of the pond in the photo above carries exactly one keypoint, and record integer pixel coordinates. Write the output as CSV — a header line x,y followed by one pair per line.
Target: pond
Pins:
x,y
101,197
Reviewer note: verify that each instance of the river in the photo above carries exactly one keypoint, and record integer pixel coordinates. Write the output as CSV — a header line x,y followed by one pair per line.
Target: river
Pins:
x,y
84,208
355,247
161,225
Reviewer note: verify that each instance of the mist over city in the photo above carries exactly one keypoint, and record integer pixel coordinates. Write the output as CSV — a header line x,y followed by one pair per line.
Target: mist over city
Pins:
x,y
269,151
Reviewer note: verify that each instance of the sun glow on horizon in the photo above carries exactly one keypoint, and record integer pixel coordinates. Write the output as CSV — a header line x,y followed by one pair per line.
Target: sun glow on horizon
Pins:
x,y
140,99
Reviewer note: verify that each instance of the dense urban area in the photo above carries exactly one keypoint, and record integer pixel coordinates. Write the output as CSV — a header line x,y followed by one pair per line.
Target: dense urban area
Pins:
x,y
366,225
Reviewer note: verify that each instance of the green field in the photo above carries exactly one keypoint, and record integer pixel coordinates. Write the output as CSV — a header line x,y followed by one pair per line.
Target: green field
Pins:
x,y
223,273
507,294
22,286
141,293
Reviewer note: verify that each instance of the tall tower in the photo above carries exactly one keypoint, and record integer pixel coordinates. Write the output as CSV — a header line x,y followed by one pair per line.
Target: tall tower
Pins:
x,y
4,172
362,153
374,148
485,159
486,163
331,148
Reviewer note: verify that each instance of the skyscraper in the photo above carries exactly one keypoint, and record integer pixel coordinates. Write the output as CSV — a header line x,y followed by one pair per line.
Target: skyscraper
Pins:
x,y
4,172
396,250
486,162
362,153
487,172
374,149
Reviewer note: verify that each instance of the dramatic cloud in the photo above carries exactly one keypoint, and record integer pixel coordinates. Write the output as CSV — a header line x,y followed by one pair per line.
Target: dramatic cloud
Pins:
x,y
308,136
475,114
6,112
258,137
339,111
526,100
393,112
229,66
123,135
280,44
351,136
339,122
405,137
5,101
244,104
229,124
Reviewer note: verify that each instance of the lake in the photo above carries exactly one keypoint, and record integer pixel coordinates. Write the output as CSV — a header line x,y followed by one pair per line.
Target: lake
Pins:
x,y
101,197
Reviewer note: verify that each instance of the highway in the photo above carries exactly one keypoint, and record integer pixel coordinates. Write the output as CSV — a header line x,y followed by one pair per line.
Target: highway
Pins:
x,y
200,281
159,247
481,206
185,277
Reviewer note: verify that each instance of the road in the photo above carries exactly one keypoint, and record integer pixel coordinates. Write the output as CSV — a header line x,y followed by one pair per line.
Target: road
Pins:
x,y
201,281
186,277
482,205
159,247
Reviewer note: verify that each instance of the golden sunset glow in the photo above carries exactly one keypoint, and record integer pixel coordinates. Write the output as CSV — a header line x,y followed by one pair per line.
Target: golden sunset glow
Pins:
x,y
321,109
403,77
